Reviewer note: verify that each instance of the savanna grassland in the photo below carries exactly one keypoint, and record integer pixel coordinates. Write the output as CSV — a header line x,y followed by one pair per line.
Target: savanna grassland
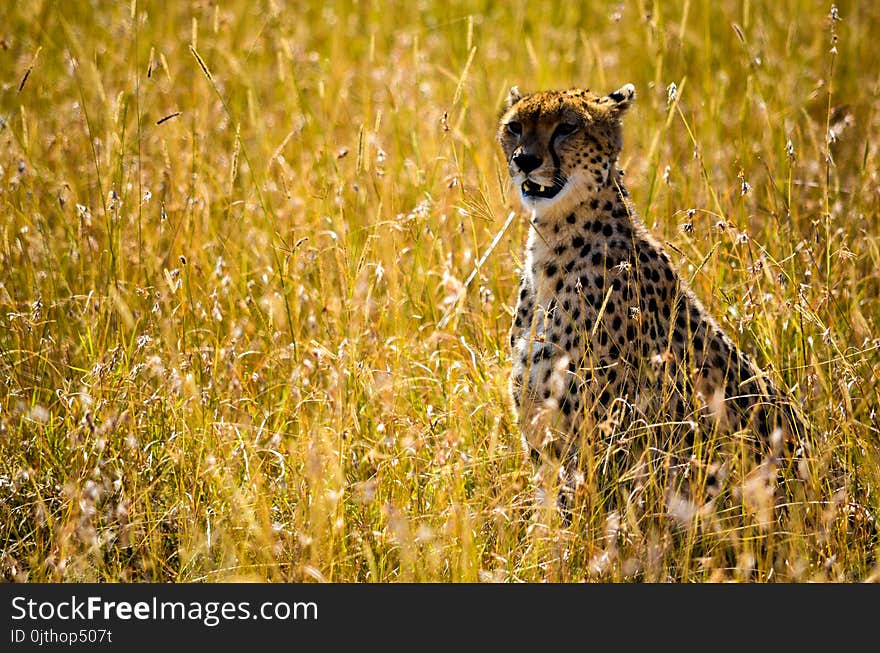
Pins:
x,y
257,267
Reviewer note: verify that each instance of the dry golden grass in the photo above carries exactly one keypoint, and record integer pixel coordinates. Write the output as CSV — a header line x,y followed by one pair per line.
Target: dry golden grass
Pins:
x,y
237,339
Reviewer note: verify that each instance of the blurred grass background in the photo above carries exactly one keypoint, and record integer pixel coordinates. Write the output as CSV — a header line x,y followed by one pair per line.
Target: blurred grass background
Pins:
x,y
236,338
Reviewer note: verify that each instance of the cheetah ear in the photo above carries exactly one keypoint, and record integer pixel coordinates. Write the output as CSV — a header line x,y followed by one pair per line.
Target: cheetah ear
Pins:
x,y
513,96
622,98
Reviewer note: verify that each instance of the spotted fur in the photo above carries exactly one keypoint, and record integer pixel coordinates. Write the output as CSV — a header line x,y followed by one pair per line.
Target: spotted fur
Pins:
x,y
605,331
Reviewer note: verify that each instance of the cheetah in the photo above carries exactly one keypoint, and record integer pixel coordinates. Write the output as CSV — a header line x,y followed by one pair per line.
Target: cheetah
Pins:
x,y
605,330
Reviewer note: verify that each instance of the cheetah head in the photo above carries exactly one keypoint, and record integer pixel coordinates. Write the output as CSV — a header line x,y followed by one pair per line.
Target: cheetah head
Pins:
x,y
562,146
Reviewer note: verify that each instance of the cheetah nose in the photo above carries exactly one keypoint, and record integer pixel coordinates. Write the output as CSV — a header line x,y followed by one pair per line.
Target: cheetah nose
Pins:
x,y
527,162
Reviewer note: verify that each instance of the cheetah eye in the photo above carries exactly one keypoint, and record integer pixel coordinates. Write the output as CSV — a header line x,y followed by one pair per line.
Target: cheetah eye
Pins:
x,y
514,128
566,128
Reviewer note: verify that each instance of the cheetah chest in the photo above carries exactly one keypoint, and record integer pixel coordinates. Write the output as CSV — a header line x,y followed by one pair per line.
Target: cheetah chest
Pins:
x,y
577,331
